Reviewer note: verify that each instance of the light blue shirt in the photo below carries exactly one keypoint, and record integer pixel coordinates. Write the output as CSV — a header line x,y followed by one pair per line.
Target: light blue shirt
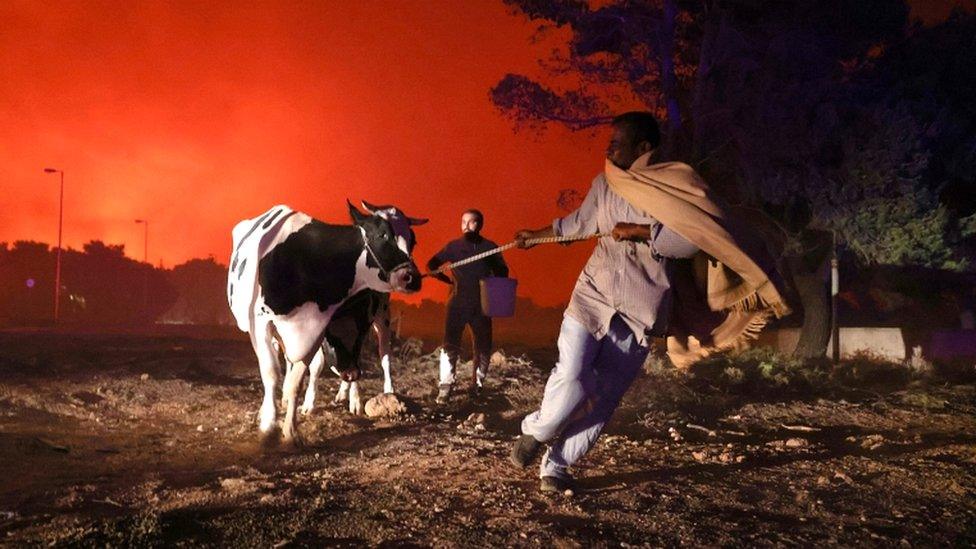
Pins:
x,y
626,278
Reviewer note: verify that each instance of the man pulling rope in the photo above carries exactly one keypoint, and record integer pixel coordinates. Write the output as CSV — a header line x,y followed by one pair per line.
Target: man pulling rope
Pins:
x,y
624,295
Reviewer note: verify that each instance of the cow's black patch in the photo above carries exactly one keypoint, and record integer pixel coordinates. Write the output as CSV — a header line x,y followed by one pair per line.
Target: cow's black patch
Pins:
x,y
348,328
316,263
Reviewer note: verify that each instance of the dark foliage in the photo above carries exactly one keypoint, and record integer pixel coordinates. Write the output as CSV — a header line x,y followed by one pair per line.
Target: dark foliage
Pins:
x,y
99,286
818,121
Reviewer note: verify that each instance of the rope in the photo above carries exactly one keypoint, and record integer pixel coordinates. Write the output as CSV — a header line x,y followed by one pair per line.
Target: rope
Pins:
x,y
510,245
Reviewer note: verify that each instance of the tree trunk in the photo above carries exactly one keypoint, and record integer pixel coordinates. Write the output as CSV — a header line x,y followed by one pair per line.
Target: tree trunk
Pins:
x,y
667,53
812,291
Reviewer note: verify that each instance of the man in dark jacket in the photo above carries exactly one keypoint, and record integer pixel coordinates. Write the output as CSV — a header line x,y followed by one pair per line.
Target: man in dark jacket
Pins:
x,y
464,304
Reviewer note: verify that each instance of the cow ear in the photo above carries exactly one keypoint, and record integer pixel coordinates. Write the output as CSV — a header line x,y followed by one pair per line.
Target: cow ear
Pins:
x,y
357,216
417,220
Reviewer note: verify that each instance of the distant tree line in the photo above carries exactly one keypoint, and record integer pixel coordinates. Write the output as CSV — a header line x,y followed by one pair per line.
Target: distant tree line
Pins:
x,y
100,286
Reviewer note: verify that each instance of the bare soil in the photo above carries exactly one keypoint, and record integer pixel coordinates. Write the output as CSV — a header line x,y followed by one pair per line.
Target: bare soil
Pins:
x,y
143,440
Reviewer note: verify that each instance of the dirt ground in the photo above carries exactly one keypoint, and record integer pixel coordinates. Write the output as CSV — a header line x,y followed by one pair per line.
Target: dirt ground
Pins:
x,y
135,440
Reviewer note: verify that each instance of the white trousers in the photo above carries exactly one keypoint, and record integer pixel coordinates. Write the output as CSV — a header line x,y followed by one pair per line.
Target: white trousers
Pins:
x,y
583,390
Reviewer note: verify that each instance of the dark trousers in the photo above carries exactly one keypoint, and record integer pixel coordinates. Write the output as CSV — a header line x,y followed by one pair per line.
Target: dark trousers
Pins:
x,y
457,319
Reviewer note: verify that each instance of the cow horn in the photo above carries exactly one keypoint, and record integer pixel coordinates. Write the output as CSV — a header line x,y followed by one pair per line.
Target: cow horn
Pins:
x,y
373,209
417,220
357,216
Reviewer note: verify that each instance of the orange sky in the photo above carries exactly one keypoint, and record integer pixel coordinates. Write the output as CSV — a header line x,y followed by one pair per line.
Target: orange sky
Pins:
x,y
196,115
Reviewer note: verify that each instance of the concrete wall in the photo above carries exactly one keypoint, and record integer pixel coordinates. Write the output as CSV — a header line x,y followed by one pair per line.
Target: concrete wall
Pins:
x,y
887,343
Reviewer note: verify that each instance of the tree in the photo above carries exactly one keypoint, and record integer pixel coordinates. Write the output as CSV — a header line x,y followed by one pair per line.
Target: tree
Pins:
x,y
99,285
778,106
26,282
201,285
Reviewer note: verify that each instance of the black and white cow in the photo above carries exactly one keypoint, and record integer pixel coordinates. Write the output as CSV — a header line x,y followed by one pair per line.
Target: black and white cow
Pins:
x,y
289,275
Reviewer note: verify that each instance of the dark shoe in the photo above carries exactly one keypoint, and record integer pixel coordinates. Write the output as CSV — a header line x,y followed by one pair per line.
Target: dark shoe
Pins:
x,y
443,393
557,485
524,450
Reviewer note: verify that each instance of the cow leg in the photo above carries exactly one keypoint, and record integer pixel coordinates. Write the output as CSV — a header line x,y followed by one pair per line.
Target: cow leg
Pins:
x,y
289,429
269,362
314,369
355,400
345,335
288,368
381,325
387,376
343,393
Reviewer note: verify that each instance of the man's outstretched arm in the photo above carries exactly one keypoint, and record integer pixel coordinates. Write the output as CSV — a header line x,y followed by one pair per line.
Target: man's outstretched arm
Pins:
x,y
433,264
581,221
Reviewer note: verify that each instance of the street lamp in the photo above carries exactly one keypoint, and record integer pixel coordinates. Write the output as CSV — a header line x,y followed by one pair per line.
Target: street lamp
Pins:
x,y
145,259
145,242
57,269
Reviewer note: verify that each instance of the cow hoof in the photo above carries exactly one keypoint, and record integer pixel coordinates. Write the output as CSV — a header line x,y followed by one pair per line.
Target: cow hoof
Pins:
x,y
306,409
293,443
269,438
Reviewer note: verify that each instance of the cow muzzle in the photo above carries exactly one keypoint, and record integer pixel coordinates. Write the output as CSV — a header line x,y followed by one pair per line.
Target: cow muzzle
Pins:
x,y
352,374
405,279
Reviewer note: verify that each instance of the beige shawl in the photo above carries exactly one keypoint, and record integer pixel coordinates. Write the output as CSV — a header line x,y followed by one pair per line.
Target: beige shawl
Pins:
x,y
733,275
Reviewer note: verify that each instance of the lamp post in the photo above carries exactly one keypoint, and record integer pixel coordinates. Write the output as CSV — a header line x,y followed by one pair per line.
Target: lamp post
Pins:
x,y
145,241
834,290
57,269
145,259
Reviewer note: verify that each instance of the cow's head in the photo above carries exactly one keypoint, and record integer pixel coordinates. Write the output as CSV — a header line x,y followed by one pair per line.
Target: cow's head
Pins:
x,y
389,242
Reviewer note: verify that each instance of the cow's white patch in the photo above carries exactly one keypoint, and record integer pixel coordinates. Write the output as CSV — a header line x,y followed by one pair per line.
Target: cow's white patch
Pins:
x,y
343,393
368,277
314,369
302,329
268,412
289,394
446,369
387,378
355,400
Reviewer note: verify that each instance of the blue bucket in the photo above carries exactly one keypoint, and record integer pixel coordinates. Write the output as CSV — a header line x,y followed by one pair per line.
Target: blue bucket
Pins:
x,y
498,296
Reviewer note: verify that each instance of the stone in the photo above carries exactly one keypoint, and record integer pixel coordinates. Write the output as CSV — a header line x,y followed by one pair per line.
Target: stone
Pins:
x,y
872,442
385,405
498,358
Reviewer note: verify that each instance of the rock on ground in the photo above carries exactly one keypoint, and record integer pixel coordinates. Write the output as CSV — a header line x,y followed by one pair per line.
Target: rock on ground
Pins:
x,y
384,405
